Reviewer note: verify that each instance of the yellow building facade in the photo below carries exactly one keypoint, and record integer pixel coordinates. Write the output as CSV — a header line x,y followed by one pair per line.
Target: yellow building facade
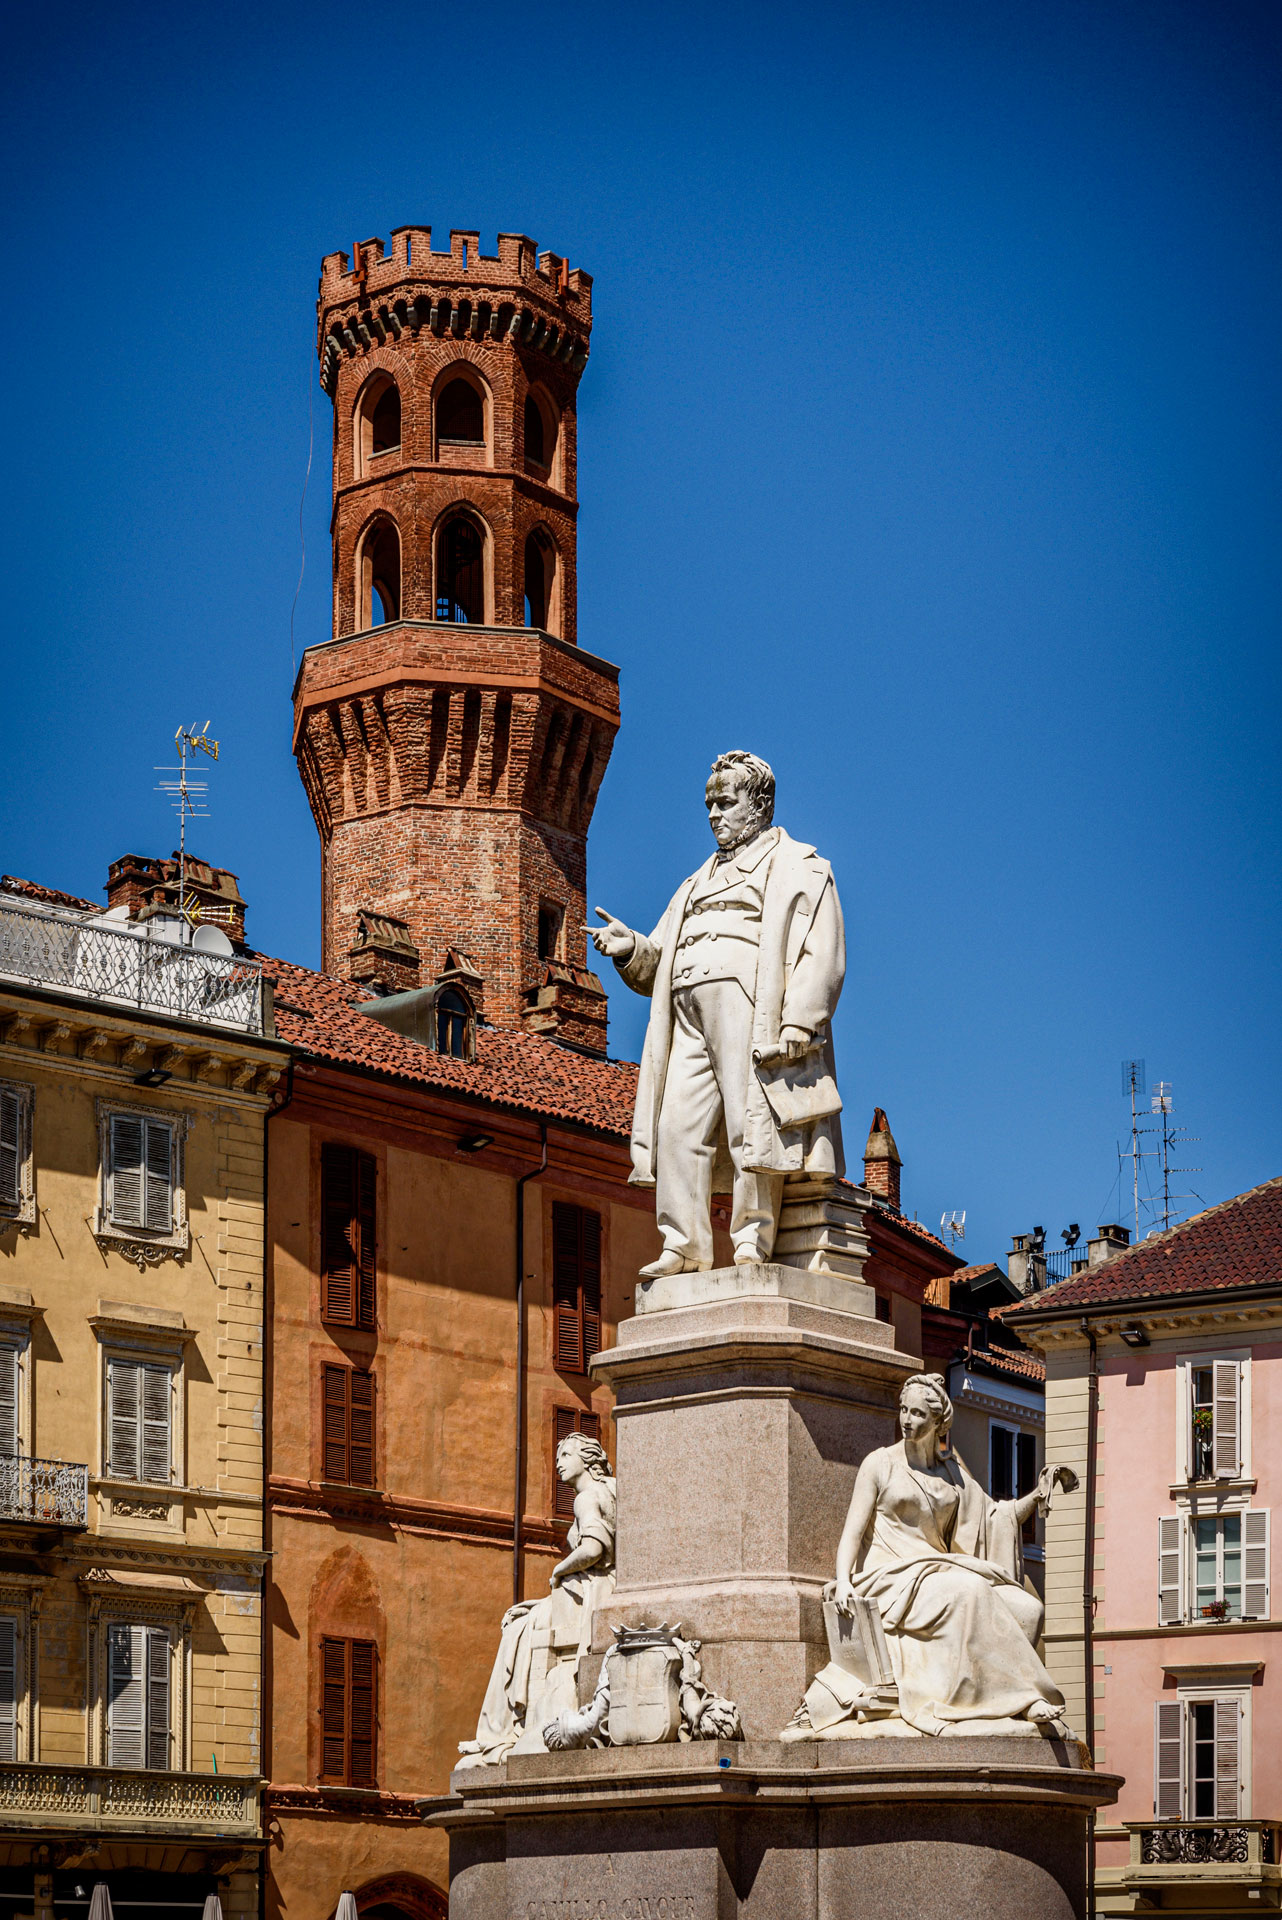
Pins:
x,y
135,1079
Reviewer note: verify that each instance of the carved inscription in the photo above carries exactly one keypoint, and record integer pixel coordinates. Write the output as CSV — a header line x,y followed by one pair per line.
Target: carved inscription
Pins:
x,y
614,1906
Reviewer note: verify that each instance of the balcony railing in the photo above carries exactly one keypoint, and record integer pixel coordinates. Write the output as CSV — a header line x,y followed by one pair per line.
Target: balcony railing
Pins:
x,y
36,1796
48,1493
127,967
1238,1853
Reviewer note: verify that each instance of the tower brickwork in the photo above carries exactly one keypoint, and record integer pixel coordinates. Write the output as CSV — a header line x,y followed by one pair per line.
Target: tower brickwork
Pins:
x,y
452,735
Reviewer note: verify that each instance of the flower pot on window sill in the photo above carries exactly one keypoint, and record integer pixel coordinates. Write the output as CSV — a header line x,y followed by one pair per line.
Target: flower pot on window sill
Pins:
x,y
1218,1610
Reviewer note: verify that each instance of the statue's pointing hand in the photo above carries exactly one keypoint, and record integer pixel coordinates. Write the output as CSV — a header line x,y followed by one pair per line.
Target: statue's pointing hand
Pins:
x,y
613,939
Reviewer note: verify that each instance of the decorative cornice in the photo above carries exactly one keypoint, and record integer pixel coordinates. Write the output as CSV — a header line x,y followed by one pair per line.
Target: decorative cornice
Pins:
x,y
312,1500
366,1803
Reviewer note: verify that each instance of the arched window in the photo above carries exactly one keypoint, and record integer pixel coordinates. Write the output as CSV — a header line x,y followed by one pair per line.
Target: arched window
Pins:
x,y
534,435
385,420
453,1017
460,579
379,576
460,415
540,570
377,428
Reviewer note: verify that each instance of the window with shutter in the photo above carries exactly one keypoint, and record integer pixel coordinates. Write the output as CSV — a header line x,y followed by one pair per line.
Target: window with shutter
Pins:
x,y
125,1173
1255,1568
1170,1570
139,1420
349,1712
1168,1760
10,1364
158,1174
349,1239
138,1695
349,1425
1228,1795
1226,1442
11,1147
10,1688
565,1421
576,1285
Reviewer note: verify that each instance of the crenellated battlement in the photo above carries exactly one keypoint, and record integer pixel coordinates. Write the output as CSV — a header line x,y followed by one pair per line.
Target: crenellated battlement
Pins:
x,y
380,292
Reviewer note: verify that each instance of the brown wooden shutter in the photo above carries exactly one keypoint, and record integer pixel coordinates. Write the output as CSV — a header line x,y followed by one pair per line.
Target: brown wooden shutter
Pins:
x,y
360,1464
367,1220
335,1422
340,1256
590,1280
362,1707
124,1396
567,1300
157,1442
333,1709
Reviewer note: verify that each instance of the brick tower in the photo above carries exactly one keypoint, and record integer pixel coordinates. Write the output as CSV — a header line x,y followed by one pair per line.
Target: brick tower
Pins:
x,y
452,735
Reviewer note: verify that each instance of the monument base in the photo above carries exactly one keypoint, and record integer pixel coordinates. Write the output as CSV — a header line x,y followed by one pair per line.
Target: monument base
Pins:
x,y
838,1830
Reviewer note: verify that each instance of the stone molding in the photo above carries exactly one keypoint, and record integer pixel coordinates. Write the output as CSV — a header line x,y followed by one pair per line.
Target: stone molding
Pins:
x,y
312,1500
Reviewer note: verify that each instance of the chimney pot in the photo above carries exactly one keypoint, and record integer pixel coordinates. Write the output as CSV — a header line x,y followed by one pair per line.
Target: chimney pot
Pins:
x,y
882,1163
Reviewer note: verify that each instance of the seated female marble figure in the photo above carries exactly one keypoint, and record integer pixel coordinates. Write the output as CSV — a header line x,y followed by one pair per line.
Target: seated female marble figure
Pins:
x,y
542,1641
942,1561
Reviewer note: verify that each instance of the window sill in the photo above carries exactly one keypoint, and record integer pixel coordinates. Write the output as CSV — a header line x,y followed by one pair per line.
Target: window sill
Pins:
x,y
1194,1490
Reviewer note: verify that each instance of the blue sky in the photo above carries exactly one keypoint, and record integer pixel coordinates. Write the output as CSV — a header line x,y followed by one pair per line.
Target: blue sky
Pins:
x,y
928,446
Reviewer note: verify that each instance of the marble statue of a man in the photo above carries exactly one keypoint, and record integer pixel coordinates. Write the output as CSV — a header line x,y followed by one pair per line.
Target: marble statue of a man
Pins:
x,y
743,973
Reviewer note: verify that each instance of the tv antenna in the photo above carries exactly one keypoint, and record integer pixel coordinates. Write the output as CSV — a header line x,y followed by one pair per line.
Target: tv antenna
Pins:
x,y
1132,1083
188,798
954,1225
1173,1138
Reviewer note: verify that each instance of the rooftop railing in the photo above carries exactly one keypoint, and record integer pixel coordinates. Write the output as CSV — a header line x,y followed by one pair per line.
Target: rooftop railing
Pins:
x,y
127,967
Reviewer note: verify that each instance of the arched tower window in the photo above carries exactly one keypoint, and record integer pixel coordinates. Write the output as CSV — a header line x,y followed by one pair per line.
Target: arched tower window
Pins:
x,y
534,436
540,573
460,575
379,575
378,422
453,1020
541,436
460,415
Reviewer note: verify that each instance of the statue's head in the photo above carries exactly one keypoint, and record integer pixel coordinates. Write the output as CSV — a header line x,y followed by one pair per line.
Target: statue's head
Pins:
x,y
580,1453
740,798
925,1410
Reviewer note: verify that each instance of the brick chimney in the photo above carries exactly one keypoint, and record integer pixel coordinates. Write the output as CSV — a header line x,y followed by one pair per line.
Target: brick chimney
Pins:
x,y
149,886
881,1160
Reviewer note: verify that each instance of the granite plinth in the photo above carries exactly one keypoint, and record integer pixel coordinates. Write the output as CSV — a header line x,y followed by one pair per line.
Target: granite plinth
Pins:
x,y
742,1411
899,1830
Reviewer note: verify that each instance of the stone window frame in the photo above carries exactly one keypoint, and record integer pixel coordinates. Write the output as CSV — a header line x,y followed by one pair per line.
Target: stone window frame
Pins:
x,y
143,1246
176,1616
1196,1691
22,1211
1185,1363
157,1344
20,1600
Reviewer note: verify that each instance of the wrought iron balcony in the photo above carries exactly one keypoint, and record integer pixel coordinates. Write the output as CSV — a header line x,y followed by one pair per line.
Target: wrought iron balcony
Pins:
x,y
1224,1860
119,1799
46,1493
127,966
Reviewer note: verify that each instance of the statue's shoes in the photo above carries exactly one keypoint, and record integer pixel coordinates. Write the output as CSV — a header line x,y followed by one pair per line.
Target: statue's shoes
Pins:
x,y
667,1263
744,1257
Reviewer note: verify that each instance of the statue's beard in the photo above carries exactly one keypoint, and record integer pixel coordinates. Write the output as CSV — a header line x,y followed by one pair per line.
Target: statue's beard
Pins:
x,y
750,832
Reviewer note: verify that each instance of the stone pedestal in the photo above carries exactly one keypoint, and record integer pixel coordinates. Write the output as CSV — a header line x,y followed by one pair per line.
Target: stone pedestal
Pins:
x,y
745,1399
903,1829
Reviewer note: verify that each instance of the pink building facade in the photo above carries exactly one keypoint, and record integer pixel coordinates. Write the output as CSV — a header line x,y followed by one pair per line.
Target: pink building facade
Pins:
x,y
1164,1393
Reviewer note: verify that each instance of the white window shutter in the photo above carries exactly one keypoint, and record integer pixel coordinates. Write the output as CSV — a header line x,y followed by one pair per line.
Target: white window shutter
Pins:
x,y
9,1687
1170,1570
1168,1759
124,1395
157,1697
126,1689
1228,1797
10,1149
1255,1564
126,1171
1227,1424
159,1207
157,1396
8,1399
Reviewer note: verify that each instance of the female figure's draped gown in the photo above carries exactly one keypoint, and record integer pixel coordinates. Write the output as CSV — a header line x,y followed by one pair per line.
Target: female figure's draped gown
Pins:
x,y
542,1641
942,1561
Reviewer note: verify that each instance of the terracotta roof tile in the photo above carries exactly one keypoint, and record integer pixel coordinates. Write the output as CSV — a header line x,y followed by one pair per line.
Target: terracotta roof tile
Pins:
x,y
517,1070
1013,1362
1237,1244
32,890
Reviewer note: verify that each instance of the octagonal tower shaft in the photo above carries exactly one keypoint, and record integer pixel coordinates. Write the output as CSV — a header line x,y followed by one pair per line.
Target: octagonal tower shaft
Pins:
x,y
452,735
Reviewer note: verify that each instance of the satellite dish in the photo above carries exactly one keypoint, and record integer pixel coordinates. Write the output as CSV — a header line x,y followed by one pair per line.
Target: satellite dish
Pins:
x,y
211,939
